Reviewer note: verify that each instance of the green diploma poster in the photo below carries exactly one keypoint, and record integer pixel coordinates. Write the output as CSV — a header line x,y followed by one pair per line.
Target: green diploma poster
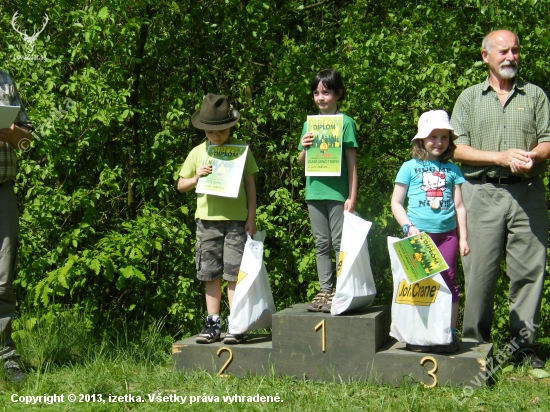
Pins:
x,y
324,157
419,257
227,170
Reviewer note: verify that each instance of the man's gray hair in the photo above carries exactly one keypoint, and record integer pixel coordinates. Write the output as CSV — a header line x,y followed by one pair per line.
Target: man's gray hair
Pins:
x,y
487,43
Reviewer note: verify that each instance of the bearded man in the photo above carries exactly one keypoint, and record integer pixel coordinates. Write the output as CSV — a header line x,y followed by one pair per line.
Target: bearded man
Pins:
x,y
503,126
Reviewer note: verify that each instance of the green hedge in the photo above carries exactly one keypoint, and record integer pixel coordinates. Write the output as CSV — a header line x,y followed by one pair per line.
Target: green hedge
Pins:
x,y
112,86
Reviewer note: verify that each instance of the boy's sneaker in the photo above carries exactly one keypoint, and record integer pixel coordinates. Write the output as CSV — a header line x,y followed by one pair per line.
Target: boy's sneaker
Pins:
x,y
328,306
232,338
318,301
211,332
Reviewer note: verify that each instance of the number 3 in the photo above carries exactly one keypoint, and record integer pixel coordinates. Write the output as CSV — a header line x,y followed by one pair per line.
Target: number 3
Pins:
x,y
430,372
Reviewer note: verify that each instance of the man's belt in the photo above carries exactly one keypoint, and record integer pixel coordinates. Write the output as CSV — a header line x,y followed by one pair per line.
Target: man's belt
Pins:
x,y
508,180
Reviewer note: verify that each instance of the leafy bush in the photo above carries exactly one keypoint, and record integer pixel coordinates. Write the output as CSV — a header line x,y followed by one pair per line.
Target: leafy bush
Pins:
x,y
111,88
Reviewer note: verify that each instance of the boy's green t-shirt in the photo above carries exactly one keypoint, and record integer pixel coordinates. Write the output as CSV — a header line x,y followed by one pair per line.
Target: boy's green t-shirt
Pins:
x,y
332,187
211,207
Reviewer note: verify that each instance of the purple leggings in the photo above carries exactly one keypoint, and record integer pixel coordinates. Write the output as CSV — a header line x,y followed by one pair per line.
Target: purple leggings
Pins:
x,y
447,244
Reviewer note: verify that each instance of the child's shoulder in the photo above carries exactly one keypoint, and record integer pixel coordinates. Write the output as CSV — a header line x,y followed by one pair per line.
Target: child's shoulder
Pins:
x,y
197,153
407,169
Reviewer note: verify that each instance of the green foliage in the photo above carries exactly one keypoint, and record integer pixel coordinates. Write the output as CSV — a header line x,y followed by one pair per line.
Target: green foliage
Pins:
x,y
60,338
111,87
289,250
47,339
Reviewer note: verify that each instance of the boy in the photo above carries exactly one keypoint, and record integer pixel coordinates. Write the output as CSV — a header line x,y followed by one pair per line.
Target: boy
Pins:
x,y
222,222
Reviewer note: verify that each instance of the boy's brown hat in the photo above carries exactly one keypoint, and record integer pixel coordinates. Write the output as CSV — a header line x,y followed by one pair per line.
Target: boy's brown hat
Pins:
x,y
215,113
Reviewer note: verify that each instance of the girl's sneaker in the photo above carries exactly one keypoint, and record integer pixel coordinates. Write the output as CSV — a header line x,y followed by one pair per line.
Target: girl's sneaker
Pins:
x,y
418,348
318,302
326,308
450,348
232,338
211,332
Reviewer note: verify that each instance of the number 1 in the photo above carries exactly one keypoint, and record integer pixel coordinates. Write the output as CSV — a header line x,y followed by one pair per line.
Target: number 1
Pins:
x,y
322,325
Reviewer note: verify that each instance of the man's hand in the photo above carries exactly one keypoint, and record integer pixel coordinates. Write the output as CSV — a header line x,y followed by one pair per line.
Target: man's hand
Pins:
x,y
519,168
516,156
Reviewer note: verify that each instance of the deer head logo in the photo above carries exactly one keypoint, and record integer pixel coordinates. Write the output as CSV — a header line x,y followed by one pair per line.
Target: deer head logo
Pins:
x,y
29,40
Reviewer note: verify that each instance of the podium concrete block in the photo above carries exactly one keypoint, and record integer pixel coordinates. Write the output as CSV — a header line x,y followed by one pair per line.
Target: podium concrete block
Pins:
x,y
318,346
249,357
355,345
394,364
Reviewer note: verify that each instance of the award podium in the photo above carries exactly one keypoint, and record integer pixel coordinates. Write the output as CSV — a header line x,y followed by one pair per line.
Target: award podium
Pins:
x,y
321,347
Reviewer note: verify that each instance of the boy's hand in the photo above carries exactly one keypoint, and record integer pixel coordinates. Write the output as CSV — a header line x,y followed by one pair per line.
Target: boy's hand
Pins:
x,y
464,248
250,227
349,206
203,170
307,140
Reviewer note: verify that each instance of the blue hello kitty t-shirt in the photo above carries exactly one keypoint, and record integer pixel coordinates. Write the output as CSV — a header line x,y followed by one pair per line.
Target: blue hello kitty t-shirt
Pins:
x,y
430,193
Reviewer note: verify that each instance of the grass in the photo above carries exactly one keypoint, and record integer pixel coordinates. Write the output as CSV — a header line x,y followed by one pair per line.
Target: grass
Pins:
x,y
63,356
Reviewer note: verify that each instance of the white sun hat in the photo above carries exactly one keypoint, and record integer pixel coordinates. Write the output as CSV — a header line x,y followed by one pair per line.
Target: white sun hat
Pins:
x,y
431,120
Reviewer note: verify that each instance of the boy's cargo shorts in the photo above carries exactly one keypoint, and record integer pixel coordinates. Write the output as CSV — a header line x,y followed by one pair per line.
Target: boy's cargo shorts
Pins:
x,y
219,250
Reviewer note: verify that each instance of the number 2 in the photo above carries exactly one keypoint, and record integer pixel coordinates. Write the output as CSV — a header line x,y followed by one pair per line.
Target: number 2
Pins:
x,y
226,364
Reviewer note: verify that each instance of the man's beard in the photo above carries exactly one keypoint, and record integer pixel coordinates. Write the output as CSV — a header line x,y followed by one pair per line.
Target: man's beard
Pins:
x,y
508,70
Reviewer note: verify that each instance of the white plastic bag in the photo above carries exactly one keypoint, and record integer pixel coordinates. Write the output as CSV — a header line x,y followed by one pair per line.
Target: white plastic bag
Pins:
x,y
421,311
253,304
354,283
